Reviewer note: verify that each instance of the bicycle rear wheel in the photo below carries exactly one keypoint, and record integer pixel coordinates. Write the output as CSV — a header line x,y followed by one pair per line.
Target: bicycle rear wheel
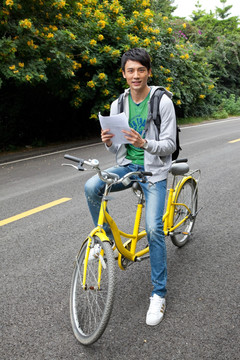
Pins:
x,y
91,305
186,194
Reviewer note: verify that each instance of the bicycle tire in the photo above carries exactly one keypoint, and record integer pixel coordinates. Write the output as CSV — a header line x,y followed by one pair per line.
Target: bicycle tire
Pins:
x,y
91,307
186,194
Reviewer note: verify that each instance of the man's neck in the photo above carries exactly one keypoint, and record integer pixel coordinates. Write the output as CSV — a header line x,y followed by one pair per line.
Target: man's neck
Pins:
x,y
139,96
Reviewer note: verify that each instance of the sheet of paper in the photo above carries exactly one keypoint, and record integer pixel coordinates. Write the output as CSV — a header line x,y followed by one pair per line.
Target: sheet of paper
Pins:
x,y
116,123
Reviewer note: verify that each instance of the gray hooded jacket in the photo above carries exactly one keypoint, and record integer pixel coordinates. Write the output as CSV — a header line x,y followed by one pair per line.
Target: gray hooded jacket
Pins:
x,y
157,157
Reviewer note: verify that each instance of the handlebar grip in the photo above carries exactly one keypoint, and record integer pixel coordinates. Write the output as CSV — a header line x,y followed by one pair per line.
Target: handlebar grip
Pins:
x,y
181,160
73,158
147,173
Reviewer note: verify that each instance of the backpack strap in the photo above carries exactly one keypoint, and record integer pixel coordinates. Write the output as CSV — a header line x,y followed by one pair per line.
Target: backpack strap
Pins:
x,y
154,106
120,103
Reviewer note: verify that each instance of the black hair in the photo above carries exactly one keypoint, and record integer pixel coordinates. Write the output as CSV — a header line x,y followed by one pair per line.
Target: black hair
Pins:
x,y
136,54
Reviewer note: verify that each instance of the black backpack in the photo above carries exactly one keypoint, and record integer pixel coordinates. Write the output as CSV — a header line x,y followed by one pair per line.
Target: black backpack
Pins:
x,y
154,106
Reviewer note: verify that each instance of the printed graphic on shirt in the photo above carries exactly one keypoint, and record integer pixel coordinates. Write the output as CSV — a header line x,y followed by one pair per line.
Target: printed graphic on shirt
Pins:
x,y
137,120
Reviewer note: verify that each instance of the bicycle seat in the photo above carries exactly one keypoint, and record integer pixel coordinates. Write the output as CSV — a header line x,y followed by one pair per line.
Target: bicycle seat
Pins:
x,y
179,168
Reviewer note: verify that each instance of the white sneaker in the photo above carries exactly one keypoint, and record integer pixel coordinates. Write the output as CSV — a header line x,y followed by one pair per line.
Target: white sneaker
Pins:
x,y
156,310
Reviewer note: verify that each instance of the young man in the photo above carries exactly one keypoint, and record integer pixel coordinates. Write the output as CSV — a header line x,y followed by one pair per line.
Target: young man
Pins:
x,y
147,150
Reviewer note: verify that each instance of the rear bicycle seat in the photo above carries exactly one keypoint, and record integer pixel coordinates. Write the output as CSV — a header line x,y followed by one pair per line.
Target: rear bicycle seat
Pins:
x,y
179,168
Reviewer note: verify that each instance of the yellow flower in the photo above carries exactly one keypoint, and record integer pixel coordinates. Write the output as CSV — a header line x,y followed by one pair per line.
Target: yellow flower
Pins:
x,y
202,96
79,5
184,25
93,61
157,44
13,67
50,35
85,56
169,79
178,102
210,87
76,65
93,42
9,3
59,16
100,37
102,24
116,53
105,92
102,76
41,76
15,71
121,21
145,3
182,57
186,56
93,116
107,106
147,41
133,38
91,84
171,55
168,88
76,87
26,24
28,77
169,30
136,14
165,18
72,36
107,48
148,13
21,64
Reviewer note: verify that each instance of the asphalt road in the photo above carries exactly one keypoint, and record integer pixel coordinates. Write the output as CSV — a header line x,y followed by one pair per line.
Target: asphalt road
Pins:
x,y
37,254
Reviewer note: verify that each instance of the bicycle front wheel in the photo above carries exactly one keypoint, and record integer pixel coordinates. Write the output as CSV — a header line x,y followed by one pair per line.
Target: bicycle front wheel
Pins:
x,y
91,298
186,194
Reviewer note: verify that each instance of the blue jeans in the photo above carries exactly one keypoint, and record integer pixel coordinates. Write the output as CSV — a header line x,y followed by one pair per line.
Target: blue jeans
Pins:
x,y
155,200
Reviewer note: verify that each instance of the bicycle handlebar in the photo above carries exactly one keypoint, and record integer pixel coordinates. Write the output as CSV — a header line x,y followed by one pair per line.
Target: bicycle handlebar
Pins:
x,y
109,178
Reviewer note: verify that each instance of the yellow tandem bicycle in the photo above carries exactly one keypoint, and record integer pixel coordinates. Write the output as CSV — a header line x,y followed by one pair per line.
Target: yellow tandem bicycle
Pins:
x,y
93,281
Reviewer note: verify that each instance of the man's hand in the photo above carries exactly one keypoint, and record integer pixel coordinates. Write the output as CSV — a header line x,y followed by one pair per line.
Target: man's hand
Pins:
x,y
106,137
134,138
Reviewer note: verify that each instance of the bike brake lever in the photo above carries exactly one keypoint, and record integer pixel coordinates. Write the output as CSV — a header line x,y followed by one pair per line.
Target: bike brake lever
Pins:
x,y
80,167
74,166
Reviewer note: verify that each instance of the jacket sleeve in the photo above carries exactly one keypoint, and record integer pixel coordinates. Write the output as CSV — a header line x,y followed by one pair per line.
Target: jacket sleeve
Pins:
x,y
166,142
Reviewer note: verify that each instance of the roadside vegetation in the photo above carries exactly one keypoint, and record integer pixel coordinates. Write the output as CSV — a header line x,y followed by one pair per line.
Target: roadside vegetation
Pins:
x,y
59,63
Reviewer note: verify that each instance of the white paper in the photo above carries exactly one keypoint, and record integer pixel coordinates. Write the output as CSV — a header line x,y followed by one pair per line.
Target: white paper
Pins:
x,y
116,123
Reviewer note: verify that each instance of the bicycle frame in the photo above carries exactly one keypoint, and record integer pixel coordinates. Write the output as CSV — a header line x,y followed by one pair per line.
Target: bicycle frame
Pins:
x,y
169,214
131,254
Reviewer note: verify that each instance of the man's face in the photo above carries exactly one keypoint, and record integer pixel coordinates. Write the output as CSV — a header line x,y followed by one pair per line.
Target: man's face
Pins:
x,y
136,75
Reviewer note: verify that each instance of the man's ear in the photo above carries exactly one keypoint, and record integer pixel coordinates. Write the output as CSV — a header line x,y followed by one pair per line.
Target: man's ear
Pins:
x,y
150,73
123,74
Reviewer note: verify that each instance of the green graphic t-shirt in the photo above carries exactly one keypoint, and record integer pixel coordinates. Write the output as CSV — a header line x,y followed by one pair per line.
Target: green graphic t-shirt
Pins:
x,y
137,120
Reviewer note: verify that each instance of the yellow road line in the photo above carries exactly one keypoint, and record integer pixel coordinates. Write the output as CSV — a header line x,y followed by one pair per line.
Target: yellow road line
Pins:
x,y
233,141
33,211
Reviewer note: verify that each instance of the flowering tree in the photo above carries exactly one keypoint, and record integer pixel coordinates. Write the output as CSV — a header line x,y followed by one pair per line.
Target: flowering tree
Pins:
x,y
74,48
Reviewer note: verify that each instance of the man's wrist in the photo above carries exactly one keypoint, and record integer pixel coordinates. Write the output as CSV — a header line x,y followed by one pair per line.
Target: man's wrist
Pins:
x,y
145,145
